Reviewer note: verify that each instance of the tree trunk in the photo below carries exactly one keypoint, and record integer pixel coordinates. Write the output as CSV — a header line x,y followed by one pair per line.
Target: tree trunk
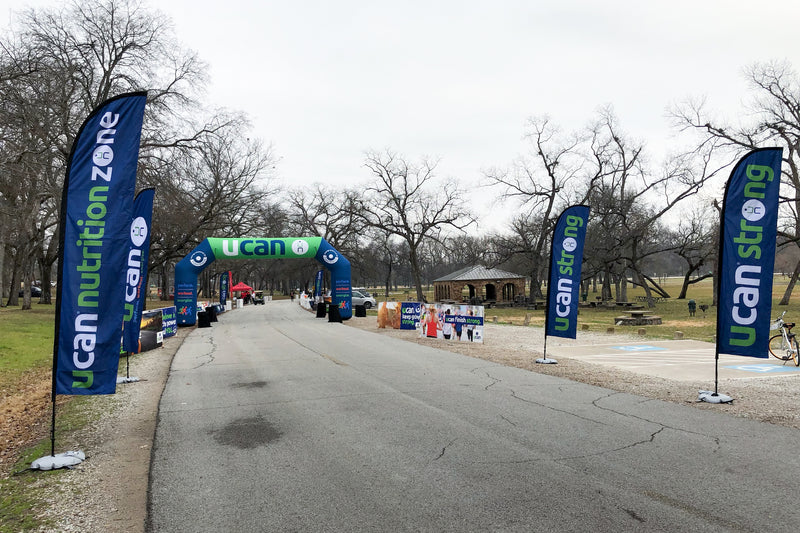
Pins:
x,y
13,291
623,293
415,274
787,294
2,271
685,286
388,279
44,272
27,276
605,293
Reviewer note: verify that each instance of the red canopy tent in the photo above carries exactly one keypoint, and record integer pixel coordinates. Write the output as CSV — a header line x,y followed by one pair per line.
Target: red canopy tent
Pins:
x,y
241,287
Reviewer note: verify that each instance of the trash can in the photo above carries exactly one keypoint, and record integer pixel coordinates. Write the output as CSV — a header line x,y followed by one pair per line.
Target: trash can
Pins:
x,y
202,320
211,311
321,309
333,314
361,310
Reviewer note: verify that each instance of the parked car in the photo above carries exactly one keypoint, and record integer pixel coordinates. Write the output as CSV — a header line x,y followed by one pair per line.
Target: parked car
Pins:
x,y
258,298
359,298
36,292
363,291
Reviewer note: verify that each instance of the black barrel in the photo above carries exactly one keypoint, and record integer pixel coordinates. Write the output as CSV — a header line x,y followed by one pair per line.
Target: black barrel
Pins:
x,y
333,314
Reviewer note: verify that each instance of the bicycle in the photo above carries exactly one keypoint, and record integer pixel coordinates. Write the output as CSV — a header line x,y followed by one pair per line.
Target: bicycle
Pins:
x,y
784,345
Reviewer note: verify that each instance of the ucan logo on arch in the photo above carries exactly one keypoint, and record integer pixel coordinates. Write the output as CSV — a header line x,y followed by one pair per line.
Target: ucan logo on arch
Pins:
x,y
198,259
330,257
747,254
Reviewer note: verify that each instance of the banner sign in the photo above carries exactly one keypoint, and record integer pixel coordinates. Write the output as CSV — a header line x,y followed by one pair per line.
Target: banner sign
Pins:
x,y
136,271
152,330
96,209
409,315
748,228
452,322
169,321
566,260
224,284
318,285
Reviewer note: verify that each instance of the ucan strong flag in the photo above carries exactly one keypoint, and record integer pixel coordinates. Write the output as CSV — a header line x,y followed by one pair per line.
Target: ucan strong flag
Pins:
x,y
136,269
748,228
566,261
96,209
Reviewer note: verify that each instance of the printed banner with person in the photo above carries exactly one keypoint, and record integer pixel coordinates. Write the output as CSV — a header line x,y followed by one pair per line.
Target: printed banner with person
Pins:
x,y
452,322
566,260
96,209
748,229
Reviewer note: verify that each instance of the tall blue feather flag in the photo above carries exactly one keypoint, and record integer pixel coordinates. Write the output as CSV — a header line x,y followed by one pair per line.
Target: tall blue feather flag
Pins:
x,y
96,210
136,269
748,229
566,262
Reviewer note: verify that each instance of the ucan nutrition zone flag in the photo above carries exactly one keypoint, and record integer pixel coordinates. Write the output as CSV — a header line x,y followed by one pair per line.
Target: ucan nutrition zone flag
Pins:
x,y
566,260
96,209
136,269
747,254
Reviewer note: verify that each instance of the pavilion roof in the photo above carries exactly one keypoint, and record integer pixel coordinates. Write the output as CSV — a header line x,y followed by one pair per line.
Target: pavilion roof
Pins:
x,y
479,272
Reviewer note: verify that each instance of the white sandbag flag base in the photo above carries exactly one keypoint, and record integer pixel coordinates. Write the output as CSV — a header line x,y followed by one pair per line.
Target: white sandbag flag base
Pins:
x,y
546,361
121,379
60,460
713,397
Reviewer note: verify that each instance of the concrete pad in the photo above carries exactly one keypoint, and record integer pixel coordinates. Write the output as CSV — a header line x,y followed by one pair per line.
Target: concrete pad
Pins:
x,y
682,360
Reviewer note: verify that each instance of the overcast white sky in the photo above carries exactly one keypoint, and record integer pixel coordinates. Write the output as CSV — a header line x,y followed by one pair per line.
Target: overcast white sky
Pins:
x,y
457,79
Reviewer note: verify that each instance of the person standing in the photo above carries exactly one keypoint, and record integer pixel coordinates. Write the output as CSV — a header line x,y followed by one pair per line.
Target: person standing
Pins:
x,y
459,327
447,327
432,323
470,326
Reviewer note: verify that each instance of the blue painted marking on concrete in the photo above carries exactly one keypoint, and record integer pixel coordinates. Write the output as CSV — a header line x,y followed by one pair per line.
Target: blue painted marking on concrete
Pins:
x,y
765,368
638,348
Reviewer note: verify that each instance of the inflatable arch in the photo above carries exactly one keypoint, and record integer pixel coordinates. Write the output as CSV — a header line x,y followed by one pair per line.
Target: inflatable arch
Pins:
x,y
187,270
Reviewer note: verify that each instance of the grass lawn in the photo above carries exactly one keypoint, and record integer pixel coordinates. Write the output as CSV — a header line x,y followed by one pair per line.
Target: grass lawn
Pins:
x,y
26,342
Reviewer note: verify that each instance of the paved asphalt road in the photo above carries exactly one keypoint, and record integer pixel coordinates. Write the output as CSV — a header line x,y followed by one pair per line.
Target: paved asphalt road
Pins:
x,y
274,420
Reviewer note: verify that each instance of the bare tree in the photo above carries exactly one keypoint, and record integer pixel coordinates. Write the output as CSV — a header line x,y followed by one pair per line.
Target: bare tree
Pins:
x,y
543,182
55,67
695,240
629,198
774,121
218,185
328,213
405,201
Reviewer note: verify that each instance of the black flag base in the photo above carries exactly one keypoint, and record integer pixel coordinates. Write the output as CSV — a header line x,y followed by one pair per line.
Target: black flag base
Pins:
x,y
60,460
713,397
546,361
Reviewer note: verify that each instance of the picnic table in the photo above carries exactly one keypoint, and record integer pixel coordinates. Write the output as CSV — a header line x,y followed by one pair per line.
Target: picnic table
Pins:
x,y
630,305
656,299
638,317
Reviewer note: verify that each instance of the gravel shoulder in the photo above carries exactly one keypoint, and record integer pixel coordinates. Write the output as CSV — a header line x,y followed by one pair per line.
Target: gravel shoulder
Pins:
x,y
112,482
